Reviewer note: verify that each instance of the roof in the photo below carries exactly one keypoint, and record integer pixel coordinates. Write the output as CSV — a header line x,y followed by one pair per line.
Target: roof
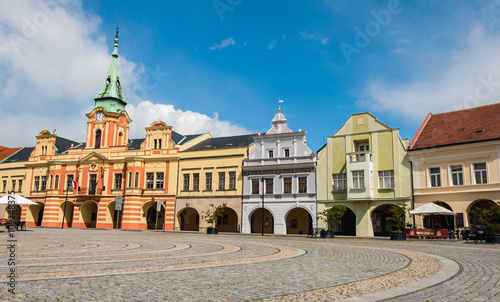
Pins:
x,y
224,142
6,152
135,144
459,127
64,144
21,155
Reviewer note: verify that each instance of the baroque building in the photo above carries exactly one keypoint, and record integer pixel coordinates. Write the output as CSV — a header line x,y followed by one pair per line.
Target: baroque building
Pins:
x,y
364,166
456,164
279,182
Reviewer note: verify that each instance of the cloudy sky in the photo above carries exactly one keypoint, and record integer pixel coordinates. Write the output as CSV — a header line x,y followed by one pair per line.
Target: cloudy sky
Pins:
x,y
222,65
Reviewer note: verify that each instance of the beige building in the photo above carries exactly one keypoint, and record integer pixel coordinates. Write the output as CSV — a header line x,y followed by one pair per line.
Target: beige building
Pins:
x,y
456,161
210,173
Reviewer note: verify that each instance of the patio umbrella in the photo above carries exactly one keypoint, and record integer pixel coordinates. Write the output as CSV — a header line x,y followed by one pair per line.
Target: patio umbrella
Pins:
x,y
432,209
19,200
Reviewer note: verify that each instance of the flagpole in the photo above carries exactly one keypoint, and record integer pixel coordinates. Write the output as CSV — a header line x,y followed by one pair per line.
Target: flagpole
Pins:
x,y
65,204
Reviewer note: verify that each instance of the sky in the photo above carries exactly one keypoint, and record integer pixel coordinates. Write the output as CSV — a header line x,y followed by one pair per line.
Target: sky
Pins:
x,y
220,66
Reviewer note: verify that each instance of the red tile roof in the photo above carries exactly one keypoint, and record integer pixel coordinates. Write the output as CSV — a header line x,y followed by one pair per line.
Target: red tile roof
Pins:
x,y
459,127
6,152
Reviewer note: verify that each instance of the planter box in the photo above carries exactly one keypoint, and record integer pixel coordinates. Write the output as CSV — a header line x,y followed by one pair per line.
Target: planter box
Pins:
x,y
327,234
212,231
398,236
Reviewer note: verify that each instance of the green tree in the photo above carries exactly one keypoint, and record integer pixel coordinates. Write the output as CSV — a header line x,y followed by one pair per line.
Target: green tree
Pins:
x,y
212,214
398,217
332,215
490,217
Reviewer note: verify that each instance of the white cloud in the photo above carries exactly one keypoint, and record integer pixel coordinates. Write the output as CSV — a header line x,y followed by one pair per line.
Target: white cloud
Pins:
x,y
184,122
307,36
272,44
223,44
53,61
469,77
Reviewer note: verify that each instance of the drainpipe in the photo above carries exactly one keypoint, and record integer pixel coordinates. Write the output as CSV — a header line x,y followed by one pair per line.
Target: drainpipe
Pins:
x,y
412,195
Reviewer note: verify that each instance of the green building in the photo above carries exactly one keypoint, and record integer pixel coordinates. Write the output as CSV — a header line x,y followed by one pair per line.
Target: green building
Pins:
x,y
365,167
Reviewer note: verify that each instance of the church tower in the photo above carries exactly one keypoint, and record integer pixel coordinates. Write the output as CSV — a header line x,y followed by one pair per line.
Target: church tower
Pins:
x,y
108,122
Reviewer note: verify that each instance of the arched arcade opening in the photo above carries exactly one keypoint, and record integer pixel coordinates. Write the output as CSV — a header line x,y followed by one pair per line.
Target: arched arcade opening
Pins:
x,y
381,227
228,222
256,221
67,217
189,219
298,221
88,212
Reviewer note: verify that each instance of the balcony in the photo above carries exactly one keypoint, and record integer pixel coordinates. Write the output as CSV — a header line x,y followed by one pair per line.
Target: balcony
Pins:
x,y
359,175
89,191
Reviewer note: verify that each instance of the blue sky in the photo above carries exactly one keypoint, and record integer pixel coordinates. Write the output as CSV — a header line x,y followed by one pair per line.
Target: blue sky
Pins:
x,y
221,66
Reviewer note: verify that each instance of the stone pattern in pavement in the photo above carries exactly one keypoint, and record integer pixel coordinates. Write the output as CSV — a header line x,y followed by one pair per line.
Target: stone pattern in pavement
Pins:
x,y
110,265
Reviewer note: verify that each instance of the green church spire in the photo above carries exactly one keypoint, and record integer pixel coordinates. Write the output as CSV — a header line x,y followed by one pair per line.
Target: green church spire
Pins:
x,y
111,97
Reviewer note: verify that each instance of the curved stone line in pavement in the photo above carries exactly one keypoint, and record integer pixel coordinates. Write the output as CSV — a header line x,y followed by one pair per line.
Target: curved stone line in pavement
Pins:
x,y
175,248
283,253
386,286
137,245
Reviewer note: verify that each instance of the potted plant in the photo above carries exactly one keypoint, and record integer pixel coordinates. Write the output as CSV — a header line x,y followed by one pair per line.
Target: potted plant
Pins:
x,y
211,216
398,220
331,216
491,218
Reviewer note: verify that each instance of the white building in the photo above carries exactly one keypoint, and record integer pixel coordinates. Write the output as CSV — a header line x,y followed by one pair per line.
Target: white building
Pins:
x,y
281,172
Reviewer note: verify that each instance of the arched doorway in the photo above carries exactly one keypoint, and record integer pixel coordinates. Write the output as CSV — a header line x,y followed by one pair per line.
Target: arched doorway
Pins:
x,y
440,221
88,211
381,227
68,217
36,211
189,220
478,205
154,219
298,221
228,222
256,221
348,225
113,214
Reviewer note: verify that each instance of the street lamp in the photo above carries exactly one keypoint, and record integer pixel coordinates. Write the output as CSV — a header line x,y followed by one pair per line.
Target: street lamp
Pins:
x,y
65,204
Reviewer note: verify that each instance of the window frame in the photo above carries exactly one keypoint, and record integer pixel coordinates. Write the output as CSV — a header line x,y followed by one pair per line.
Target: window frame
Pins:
x,y
117,181
358,179
56,183
196,181
150,180
483,173
460,175
185,183
339,182
435,178
269,185
302,184
160,180
36,184
385,176
232,180
208,181
255,189
222,181
287,185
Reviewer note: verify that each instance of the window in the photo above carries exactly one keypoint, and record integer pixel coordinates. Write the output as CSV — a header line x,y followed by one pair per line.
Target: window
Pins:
x,y
157,143
270,153
98,139
255,186
208,181
136,183
186,182
50,185
386,179
480,173
286,152
93,184
35,188
44,183
435,177
457,175
232,180
13,185
339,182
20,184
129,179
118,181
196,181
222,180
358,179
287,185
269,186
302,184
4,188
56,183
69,181
150,179
159,180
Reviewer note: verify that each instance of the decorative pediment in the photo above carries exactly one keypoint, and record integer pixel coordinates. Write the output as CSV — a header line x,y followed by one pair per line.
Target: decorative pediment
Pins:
x,y
93,156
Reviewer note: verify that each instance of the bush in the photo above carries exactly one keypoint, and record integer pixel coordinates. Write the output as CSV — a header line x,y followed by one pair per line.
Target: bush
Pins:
x,y
398,217
212,214
332,215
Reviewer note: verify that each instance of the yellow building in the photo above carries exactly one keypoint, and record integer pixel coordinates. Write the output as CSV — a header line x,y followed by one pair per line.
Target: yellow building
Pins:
x,y
364,166
456,161
210,173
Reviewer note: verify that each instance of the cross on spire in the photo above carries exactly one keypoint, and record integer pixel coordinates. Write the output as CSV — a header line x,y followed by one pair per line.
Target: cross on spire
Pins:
x,y
117,27
279,103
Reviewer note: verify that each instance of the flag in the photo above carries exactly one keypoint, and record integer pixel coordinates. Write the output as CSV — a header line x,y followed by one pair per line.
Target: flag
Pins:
x,y
158,205
73,183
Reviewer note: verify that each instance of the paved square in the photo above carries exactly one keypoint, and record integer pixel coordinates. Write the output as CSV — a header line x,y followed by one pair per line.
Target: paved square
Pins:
x,y
111,265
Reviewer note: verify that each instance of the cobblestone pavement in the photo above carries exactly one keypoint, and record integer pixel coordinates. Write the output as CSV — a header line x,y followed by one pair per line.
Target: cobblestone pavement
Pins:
x,y
111,265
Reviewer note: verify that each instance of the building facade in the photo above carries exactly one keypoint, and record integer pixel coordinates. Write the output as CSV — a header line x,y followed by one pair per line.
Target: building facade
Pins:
x,y
456,163
365,167
279,179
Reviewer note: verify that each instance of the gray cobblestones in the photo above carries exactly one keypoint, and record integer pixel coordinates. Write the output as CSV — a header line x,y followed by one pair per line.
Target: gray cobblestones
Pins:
x,y
103,265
